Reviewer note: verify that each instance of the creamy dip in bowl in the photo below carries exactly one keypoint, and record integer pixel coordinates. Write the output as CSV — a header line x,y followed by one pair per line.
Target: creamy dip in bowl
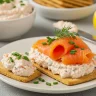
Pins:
x,y
16,18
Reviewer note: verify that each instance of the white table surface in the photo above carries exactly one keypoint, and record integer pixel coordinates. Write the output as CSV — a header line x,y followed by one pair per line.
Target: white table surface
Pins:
x,y
43,27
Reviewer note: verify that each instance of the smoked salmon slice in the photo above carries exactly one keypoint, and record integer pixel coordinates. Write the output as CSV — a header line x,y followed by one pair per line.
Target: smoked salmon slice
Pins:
x,y
60,48
80,57
42,48
56,49
78,41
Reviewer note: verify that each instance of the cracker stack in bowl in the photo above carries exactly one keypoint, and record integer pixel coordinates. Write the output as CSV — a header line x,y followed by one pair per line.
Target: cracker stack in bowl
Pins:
x,y
65,3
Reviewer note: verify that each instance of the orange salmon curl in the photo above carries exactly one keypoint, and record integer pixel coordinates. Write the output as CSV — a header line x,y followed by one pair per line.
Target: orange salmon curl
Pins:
x,y
60,49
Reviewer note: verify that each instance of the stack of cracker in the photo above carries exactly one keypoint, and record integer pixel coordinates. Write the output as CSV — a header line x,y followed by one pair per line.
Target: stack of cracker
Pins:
x,y
65,3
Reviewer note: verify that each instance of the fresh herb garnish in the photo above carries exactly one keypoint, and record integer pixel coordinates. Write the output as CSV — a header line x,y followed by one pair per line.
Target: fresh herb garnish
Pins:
x,y
21,1
55,83
76,46
14,6
1,1
18,56
50,40
49,84
36,82
27,53
82,48
26,58
7,1
71,42
44,43
61,33
11,60
22,4
41,79
73,51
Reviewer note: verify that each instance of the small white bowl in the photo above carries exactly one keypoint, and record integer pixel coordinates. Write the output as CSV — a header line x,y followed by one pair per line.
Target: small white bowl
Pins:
x,y
64,13
11,29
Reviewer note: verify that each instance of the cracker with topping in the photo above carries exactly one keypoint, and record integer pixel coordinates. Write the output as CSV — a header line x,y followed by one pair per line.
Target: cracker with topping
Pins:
x,y
67,81
25,79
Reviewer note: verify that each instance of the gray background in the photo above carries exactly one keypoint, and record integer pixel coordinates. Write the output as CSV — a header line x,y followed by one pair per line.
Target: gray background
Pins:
x,y
43,27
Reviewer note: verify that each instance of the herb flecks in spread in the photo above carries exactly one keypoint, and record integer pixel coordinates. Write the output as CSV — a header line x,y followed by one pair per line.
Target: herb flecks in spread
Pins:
x,y
18,63
13,9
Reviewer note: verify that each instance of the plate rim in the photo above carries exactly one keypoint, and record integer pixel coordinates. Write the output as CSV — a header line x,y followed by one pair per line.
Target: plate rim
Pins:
x,y
42,90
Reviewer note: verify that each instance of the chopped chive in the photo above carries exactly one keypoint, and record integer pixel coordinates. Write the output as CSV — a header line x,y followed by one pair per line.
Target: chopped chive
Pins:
x,y
44,43
82,48
16,54
19,57
7,1
41,79
71,42
26,58
27,53
21,1
36,82
76,46
73,51
22,4
11,60
14,6
49,84
55,83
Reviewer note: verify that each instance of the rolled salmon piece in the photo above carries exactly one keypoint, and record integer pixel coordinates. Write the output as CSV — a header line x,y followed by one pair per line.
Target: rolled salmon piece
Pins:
x,y
59,47
80,57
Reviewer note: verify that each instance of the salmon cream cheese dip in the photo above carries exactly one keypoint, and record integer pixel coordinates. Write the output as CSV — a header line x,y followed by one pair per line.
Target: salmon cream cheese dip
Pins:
x,y
13,9
18,63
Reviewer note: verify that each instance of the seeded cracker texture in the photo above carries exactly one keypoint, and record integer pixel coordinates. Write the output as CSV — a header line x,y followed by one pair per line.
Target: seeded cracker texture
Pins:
x,y
67,81
9,74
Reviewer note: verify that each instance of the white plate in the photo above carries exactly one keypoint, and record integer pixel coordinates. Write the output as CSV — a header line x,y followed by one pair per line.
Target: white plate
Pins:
x,y
25,45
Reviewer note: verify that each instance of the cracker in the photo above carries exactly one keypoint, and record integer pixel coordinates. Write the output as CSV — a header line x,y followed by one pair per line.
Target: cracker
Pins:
x,y
43,3
9,74
65,3
67,81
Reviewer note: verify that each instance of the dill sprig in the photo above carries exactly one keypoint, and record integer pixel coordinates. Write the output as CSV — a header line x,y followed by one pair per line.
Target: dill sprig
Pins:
x,y
61,33
50,40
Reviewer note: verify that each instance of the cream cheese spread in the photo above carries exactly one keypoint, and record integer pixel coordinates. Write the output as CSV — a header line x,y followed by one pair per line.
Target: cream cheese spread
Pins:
x,y
73,71
13,9
18,63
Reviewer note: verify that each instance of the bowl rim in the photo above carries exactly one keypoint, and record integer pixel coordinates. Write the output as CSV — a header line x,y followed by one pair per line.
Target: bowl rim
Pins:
x,y
17,19
60,9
